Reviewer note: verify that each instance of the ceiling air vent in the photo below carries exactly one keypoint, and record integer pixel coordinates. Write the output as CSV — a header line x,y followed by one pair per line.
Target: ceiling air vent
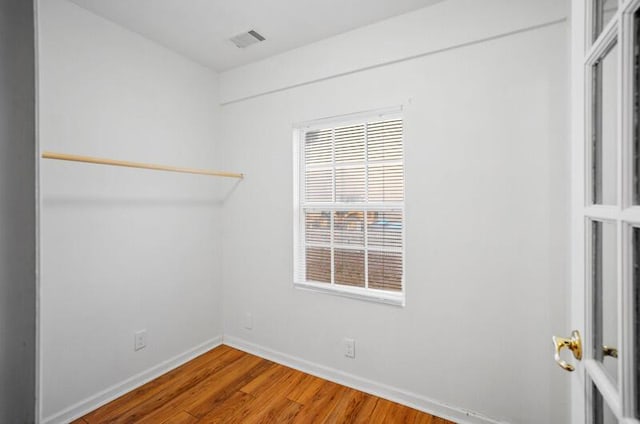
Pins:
x,y
246,39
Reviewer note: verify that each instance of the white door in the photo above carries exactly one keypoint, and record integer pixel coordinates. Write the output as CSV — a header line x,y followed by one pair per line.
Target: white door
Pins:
x,y
606,218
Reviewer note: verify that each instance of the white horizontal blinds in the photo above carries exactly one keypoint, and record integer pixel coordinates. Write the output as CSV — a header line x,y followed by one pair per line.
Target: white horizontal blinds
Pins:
x,y
348,228
316,248
385,230
349,267
318,261
319,185
318,160
385,270
386,170
317,188
386,183
353,205
350,144
318,148
348,237
350,185
317,228
384,140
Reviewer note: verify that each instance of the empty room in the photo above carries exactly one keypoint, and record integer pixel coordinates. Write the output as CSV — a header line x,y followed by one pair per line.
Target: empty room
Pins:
x,y
304,211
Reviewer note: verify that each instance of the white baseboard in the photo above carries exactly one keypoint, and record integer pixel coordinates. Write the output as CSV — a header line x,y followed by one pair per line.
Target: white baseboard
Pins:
x,y
381,390
95,401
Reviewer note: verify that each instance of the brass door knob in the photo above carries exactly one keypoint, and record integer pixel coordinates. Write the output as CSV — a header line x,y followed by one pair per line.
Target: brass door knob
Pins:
x,y
574,344
610,351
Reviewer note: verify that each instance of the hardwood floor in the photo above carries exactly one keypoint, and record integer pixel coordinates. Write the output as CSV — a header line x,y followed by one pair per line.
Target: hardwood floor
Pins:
x,y
226,385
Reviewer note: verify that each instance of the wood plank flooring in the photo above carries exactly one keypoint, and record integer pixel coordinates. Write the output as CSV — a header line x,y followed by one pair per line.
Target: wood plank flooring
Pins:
x,y
226,385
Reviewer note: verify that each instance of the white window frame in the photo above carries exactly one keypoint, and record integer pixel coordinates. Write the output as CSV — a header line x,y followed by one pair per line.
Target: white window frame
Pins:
x,y
367,294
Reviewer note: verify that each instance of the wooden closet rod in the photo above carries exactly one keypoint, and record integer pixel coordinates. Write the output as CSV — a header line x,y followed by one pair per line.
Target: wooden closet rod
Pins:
x,y
113,162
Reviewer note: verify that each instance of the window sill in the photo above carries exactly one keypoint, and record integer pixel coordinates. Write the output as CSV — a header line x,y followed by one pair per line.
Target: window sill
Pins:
x,y
369,295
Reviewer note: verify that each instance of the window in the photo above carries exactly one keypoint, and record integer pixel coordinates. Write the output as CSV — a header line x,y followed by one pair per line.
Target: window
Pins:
x,y
349,226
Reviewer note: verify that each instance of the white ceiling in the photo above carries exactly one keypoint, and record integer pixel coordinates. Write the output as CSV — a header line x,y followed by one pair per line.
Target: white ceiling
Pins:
x,y
200,29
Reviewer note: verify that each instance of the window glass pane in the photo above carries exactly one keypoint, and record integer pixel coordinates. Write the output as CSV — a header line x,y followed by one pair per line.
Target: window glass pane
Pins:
x,y
604,11
318,262
384,229
349,227
350,185
349,267
349,144
602,413
318,185
384,140
605,294
318,147
386,183
317,227
605,128
385,270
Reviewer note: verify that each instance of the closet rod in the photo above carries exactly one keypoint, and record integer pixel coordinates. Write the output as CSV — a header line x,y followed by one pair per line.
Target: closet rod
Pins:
x,y
113,162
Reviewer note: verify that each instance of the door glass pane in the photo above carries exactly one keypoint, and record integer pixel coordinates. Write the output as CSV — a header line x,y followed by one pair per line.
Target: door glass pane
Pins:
x,y
602,414
604,11
605,298
636,316
605,128
636,107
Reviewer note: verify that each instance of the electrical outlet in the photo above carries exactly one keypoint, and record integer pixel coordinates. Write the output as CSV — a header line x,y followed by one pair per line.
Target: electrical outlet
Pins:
x,y
349,348
139,340
248,321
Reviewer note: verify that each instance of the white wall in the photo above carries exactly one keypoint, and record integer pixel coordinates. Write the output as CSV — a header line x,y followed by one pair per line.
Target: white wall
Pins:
x,y
123,249
17,213
486,209
484,92
429,30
